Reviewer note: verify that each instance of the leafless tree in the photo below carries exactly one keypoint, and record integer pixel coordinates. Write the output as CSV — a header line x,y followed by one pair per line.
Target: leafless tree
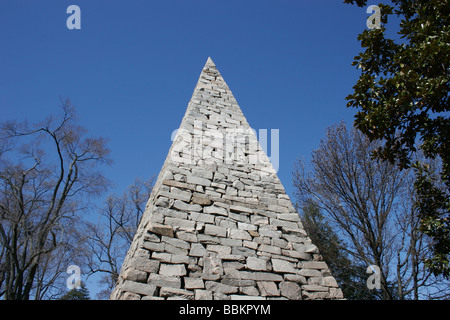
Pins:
x,y
51,276
47,172
110,238
412,248
370,204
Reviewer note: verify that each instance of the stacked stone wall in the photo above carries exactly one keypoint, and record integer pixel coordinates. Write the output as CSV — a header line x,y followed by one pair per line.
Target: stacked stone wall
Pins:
x,y
219,224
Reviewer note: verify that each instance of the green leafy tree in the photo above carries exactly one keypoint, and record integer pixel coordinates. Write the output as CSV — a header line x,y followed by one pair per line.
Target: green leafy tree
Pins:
x,y
402,96
77,294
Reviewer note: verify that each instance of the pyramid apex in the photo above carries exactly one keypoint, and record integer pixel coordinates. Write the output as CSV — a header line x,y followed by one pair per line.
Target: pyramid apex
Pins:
x,y
209,63
215,138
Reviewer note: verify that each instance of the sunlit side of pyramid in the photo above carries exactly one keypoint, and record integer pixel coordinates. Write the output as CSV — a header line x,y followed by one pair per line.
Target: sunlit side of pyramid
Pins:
x,y
219,224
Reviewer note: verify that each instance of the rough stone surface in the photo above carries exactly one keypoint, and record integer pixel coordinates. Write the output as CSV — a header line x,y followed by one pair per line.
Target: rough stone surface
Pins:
x,y
284,266
290,290
193,283
180,293
256,264
267,288
135,275
164,281
138,288
197,250
173,270
203,295
218,224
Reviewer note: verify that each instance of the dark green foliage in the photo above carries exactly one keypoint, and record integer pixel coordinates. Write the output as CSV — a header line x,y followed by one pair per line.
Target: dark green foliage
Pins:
x,y
77,294
430,204
402,97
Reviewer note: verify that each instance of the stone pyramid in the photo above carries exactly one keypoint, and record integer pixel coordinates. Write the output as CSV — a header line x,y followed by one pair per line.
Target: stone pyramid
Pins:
x,y
218,224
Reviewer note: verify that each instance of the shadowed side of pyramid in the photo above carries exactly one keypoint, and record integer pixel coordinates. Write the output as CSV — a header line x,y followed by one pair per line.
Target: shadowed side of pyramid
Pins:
x,y
219,224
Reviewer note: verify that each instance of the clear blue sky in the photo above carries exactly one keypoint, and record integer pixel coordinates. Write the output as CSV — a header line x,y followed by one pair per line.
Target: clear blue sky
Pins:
x,y
131,69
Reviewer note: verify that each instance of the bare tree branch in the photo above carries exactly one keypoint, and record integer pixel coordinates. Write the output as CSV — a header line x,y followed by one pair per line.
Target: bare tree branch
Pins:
x,y
111,237
371,205
38,198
